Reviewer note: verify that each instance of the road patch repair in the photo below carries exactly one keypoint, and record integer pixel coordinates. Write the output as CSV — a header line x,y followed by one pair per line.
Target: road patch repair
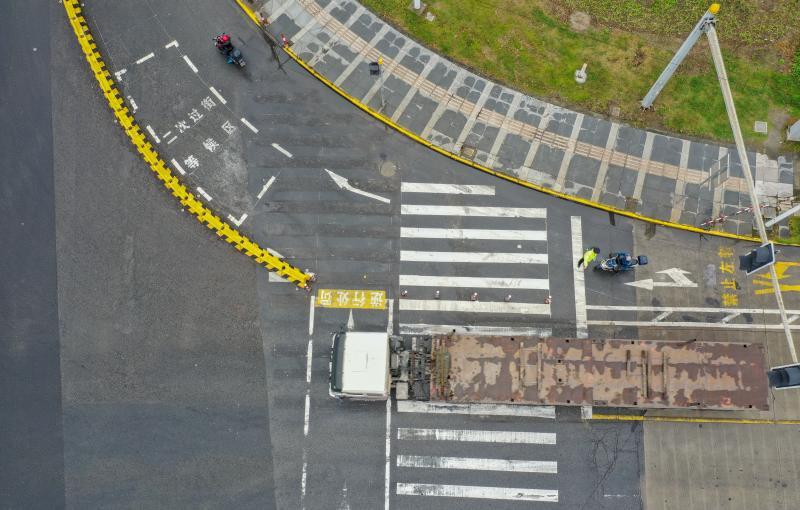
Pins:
x,y
187,199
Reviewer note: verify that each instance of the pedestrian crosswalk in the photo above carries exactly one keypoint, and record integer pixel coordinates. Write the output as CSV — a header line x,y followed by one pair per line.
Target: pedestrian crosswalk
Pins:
x,y
466,259
457,464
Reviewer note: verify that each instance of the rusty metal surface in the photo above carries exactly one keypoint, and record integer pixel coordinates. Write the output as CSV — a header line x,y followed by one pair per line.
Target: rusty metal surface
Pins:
x,y
616,373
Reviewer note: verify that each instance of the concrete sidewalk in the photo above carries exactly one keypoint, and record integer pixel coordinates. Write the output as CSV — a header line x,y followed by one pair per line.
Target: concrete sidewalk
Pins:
x,y
659,176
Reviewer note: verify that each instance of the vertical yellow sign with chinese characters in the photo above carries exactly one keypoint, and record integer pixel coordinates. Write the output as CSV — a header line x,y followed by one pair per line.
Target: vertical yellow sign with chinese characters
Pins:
x,y
351,298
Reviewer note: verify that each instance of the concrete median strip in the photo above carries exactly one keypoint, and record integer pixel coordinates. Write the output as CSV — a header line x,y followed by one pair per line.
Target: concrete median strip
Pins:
x,y
179,190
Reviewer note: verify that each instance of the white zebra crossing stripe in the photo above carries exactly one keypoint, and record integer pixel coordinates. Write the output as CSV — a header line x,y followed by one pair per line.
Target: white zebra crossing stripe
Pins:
x,y
463,233
413,406
471,282
471,491
476,436
436,305
473,257
446,329
452,189
477,464
468,210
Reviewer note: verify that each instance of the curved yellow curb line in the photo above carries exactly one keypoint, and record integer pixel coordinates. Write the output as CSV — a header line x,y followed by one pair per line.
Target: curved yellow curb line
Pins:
x,y
678,419
389,122
203,214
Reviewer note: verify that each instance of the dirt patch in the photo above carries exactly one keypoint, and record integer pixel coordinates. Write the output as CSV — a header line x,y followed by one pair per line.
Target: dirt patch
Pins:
x,y
579,21
778,120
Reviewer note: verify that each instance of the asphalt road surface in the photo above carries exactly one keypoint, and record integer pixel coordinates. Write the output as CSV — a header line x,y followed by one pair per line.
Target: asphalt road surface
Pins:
x,y
189,378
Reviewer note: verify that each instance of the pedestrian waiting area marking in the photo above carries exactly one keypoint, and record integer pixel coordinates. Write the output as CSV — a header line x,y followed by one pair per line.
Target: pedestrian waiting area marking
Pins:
x,y
351,298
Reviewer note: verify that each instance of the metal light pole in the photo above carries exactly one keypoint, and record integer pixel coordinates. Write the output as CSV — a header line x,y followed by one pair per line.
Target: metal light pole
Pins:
x,y
706,25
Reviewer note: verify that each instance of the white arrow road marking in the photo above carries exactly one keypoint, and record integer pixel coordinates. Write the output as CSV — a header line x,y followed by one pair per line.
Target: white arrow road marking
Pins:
x,y
343,183
351,324
238,222
677,275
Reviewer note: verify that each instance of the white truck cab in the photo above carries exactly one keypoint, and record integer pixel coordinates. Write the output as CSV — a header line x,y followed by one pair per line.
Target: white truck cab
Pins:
x,y
359,367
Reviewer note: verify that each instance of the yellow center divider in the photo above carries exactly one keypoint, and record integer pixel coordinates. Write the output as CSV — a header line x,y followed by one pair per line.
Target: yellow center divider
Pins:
x,y
203,214
389,122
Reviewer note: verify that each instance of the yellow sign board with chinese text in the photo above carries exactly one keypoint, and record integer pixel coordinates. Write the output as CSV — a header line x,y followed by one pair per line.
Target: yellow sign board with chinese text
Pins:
x,y
351,298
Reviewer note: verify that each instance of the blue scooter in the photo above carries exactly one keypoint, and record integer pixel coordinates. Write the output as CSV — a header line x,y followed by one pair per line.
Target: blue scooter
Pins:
x,y
232,54
620,262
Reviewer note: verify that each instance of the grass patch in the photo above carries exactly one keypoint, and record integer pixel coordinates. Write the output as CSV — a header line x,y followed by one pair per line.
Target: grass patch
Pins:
x,y
529,46
794,228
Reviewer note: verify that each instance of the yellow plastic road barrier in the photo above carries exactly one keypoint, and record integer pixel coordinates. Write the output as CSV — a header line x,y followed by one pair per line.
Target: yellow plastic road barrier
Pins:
x,y
679,419
203,214
389,122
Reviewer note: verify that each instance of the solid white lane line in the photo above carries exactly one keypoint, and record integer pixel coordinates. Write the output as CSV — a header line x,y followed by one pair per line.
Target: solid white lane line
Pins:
x,y
266,187
282,150
145,58
477,464
581,328
414,280
178,167
307,410
388,455
219,96
476,436
469,210
152,133
413,406
687,309
473,257
247,123
472,491
438,305
189,63
205,195
445,329
311,304
464,233
173,44
453,189
649,324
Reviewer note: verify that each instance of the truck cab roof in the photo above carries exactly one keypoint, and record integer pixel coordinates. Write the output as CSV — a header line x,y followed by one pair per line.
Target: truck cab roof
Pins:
x,y
363,364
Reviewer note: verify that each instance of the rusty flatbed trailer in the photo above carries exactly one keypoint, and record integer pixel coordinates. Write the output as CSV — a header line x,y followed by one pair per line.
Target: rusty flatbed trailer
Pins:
x,y
615,373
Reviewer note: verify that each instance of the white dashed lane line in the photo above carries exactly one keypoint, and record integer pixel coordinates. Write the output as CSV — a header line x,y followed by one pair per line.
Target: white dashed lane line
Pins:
x,y
282,150
205,195
266,187
145,58
219,96
247,123
189,63
178,167
152,133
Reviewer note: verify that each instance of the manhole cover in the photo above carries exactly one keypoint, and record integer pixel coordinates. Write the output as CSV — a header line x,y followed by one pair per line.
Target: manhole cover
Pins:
x,y
468,152
388,169
760,127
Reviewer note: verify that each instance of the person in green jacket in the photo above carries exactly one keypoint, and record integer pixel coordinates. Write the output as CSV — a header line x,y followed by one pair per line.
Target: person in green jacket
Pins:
x,y
588,256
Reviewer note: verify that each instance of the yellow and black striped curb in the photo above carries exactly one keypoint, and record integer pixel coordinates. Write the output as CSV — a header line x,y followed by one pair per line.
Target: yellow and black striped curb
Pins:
x,y
389,122
187,199
683,419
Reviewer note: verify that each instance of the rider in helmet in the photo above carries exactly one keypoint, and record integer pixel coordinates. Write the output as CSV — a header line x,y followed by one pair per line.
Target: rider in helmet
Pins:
x,y
224,43
624,260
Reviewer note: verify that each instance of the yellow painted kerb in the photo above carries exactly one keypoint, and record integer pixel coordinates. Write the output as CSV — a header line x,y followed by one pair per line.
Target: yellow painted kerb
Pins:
x,y
596,205
682,419
187,199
